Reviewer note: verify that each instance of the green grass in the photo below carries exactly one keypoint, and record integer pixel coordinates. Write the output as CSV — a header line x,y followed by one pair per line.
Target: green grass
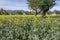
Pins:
x,y
12,27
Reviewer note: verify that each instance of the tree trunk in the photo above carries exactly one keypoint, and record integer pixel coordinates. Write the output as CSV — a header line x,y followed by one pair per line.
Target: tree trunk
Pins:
x,y
36,13
43,14
45,11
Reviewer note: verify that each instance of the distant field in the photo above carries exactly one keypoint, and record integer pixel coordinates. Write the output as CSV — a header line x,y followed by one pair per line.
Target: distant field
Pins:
x,y
24,16
14,26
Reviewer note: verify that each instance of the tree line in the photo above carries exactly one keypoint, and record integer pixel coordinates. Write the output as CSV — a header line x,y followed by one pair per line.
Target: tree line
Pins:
x,y
19,12
14,12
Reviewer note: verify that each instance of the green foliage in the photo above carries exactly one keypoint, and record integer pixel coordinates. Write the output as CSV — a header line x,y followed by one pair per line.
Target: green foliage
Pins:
x,y
57,12
20,13
41,5
49,12
16,12
30,28
29,13
3,12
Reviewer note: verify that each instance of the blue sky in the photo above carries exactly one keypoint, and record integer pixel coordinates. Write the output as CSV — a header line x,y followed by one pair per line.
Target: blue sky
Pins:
x,y
21,5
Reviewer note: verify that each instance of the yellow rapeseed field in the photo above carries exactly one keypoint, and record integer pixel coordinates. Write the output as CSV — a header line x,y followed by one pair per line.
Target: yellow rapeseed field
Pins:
x,y
18,27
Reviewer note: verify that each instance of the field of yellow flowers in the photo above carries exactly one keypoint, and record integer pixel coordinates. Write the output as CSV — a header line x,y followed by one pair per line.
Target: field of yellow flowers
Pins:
x,y
29,27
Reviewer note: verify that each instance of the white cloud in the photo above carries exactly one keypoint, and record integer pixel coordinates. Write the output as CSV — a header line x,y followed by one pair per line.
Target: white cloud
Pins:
x,y
13,5
55,8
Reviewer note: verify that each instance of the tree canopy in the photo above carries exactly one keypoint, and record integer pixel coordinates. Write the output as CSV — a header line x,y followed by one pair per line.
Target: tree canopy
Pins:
x,y
41,5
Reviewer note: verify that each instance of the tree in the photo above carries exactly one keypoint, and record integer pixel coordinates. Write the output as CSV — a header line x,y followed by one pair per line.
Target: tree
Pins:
x,y
41,5
34,5
19,12
57,11
3,12
49,12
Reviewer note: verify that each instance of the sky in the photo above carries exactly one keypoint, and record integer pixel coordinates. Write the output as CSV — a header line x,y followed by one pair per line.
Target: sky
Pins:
x,y
21,5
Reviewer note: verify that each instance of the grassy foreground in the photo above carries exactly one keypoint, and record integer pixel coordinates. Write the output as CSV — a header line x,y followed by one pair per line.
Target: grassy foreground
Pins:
x,y
29,27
